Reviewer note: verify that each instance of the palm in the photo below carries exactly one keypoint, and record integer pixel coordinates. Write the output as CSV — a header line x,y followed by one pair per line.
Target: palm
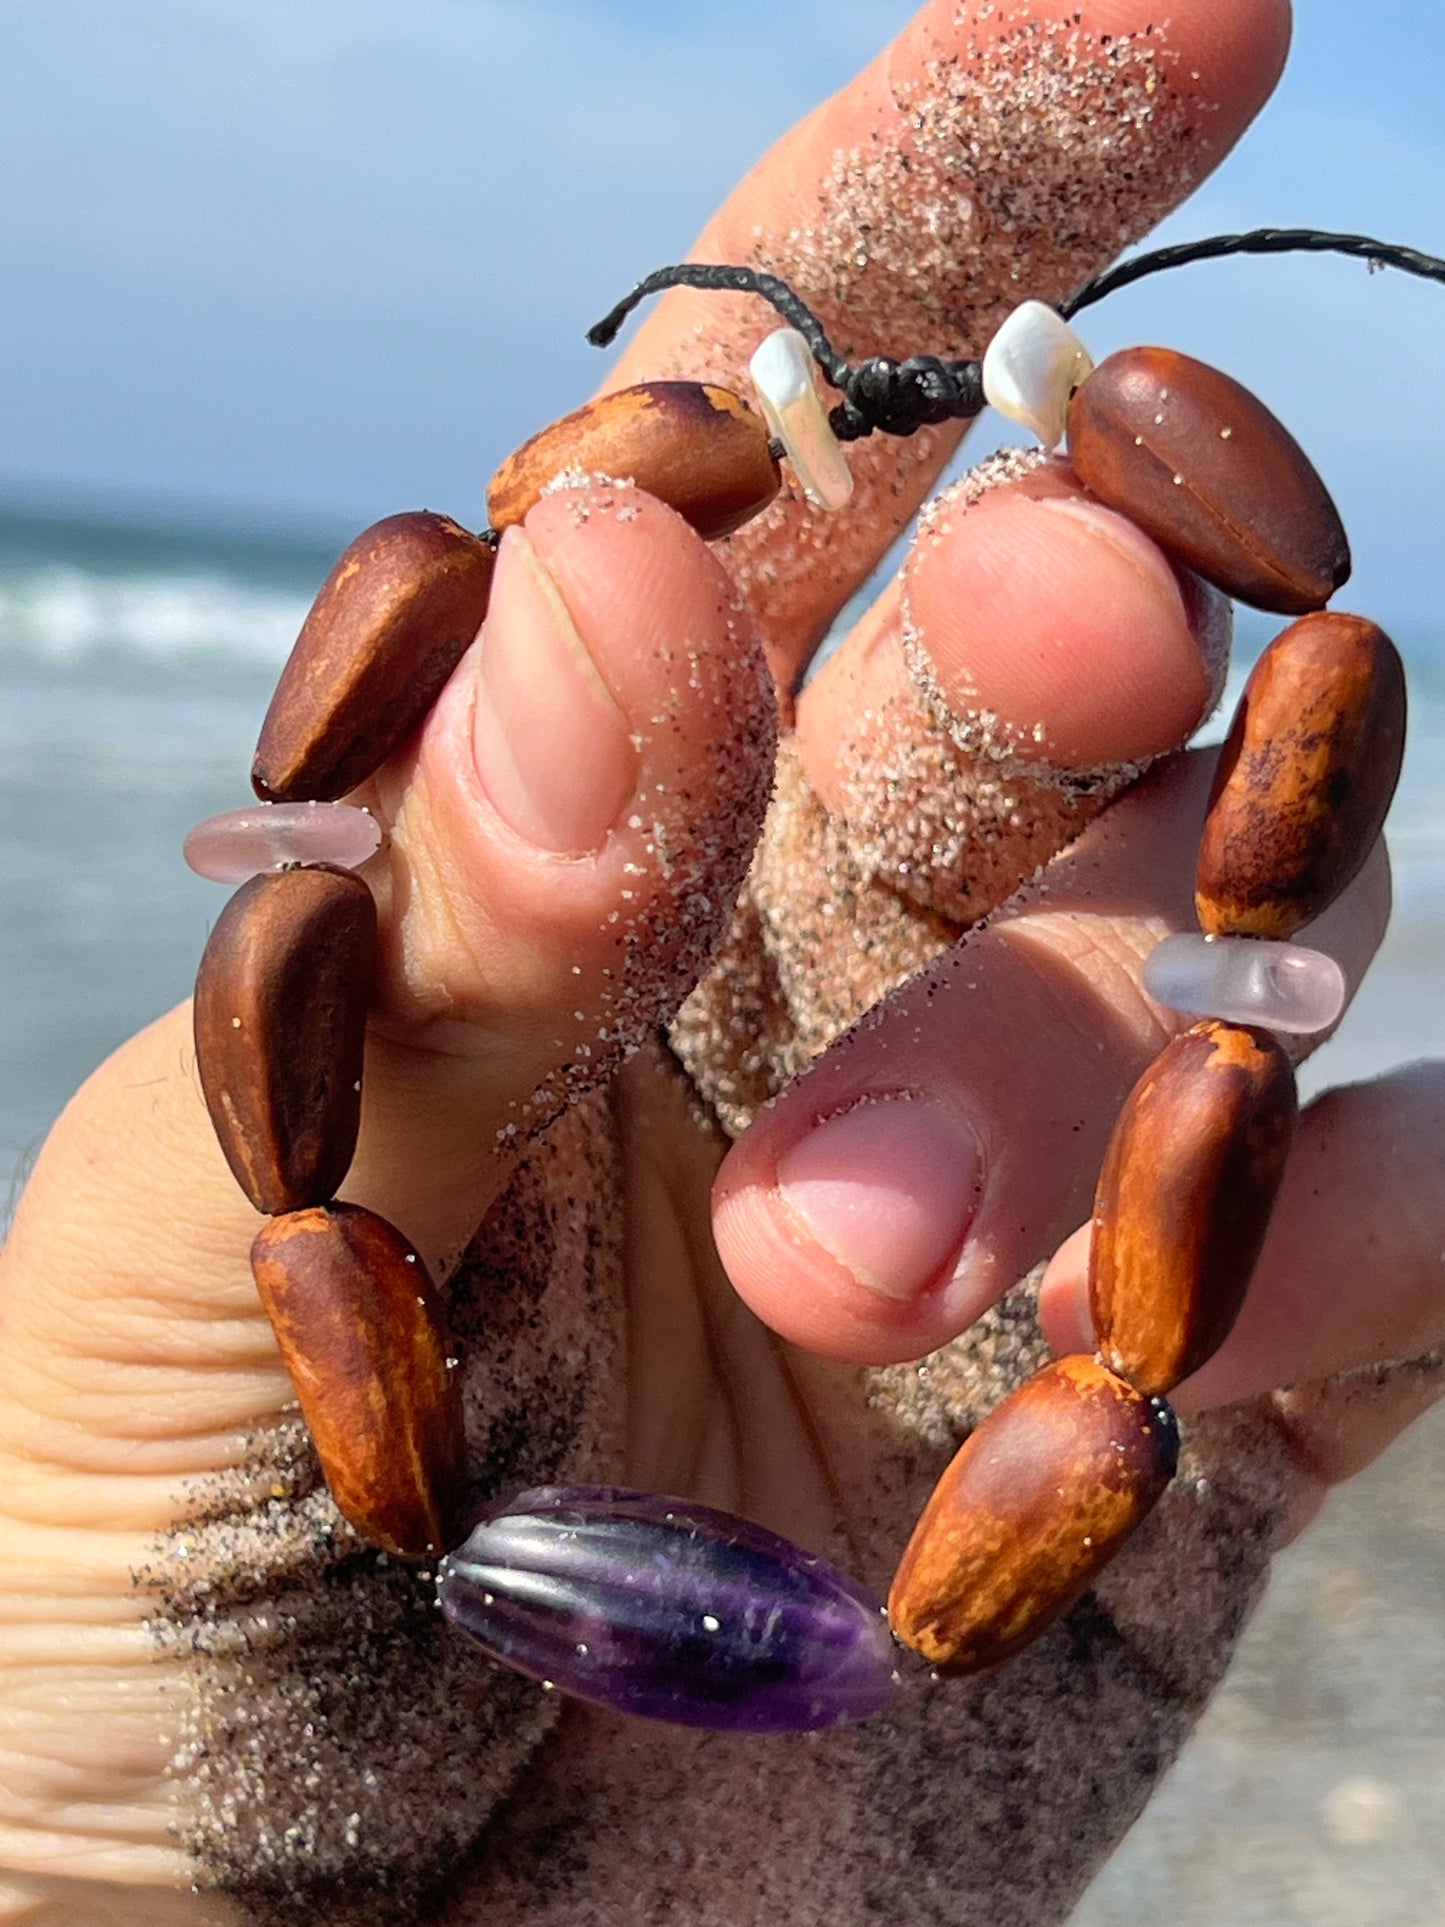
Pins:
x,y
718,1408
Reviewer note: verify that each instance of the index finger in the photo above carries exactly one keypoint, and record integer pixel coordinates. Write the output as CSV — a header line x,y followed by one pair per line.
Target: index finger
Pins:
x,y
985,157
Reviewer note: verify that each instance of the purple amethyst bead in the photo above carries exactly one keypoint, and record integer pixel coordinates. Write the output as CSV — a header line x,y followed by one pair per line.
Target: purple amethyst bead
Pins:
x,y
649,1605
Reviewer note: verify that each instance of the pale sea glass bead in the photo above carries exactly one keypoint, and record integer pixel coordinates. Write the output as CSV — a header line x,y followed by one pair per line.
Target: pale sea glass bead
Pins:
x,y
1247,980
673,1611
1031,368
782,372
240,844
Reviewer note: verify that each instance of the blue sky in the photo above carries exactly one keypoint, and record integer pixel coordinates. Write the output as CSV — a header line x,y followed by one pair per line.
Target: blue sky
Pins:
x,y
318,259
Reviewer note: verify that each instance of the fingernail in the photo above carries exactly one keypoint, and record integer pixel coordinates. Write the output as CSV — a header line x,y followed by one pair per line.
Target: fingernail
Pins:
x,y
1105,523
889,1189
1059,624
553,751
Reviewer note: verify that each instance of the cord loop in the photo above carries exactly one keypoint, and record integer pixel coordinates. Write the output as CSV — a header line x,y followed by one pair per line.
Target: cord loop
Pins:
x,y
886,396
891,397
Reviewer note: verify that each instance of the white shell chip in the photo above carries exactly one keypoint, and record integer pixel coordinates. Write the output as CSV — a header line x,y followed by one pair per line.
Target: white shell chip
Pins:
x,y
1031,368
782,372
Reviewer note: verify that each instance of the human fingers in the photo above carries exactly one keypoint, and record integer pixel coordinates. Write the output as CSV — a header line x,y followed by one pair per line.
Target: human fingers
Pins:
x,y
528,931
939,1150
1352,1272
1038,651
568,837
981,158
526,943
1337,1427
1039,606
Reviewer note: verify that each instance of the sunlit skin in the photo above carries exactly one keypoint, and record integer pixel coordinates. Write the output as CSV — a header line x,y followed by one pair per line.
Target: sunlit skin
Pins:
x,y
134,1355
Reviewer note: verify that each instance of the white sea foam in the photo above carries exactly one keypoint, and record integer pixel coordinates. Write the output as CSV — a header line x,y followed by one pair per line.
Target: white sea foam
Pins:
x,y
58,612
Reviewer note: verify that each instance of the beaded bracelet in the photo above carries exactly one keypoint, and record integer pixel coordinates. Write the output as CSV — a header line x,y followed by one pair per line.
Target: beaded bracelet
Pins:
x,y
651,1604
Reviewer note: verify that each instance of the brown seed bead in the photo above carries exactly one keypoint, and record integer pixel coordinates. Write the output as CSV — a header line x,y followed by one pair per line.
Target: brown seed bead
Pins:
x,y
1035,1503
363,1333
280,1025
701,450
1202,466
389,626
1305,780
1184,1198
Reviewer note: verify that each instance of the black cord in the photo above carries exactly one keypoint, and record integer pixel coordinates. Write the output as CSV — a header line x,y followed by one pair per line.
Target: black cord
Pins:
x,y
885,396
880,395
1261,240
703,274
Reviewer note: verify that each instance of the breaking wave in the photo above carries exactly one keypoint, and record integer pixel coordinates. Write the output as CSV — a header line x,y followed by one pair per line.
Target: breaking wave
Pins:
x,y
61,612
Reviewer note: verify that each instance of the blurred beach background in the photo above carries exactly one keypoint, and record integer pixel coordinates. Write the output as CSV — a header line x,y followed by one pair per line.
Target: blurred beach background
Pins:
x,y
275,272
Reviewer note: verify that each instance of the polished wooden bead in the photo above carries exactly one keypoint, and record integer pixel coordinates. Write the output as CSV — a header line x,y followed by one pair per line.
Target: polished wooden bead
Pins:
x,y
1198,463
280,1026
363,1333
1305,778
389,626
1184,1199
701,450
1034,1504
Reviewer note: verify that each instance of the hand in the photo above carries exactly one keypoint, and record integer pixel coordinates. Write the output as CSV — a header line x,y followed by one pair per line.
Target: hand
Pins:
x,y
290,1703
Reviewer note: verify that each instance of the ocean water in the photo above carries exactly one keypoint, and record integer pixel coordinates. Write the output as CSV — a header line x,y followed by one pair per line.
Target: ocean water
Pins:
x,y
135,662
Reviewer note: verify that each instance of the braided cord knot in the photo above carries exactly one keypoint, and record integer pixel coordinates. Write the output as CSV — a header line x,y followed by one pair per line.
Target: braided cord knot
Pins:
x,y
890,397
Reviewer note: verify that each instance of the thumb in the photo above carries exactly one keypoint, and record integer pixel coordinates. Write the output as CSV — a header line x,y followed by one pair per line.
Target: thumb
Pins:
x,y
546,893
615,700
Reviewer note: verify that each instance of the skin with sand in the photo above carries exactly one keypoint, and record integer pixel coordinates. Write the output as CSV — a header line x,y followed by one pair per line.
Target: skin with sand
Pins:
x,y
253,1702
